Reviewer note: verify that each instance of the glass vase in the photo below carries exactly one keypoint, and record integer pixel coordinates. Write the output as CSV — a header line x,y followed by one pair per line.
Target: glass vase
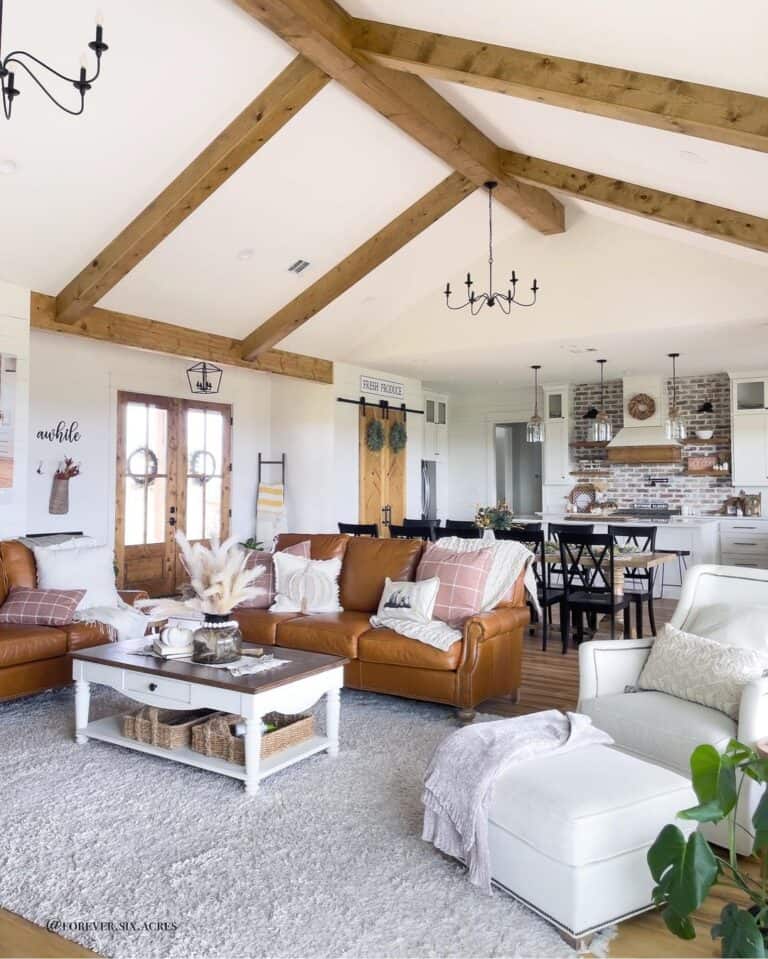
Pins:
x,y
217,641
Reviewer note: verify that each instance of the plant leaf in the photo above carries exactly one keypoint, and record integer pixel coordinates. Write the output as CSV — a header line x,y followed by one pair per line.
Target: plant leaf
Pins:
x,y
714,778
760,822
681,926
740,933
704,812
684,870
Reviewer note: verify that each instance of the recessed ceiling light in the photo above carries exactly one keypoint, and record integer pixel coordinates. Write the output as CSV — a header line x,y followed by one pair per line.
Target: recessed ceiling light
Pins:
x,y
692,157
7,167
246,254
298,266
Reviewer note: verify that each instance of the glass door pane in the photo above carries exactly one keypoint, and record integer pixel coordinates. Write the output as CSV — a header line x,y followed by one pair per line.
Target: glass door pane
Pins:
x,y
146,474
205,471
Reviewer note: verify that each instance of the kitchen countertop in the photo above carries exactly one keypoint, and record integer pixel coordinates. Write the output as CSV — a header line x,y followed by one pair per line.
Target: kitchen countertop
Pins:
x,y
691,521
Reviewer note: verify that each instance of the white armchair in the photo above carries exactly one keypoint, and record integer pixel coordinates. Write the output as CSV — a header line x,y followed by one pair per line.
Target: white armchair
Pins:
x,y
726,603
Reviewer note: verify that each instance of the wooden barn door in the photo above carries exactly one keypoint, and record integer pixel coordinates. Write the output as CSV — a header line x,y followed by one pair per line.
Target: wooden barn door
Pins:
x,y
382,472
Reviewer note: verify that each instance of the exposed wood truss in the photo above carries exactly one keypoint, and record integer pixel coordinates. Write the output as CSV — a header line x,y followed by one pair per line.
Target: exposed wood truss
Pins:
x,y
267,114
727,116
444,197
714,221
126,330
322,32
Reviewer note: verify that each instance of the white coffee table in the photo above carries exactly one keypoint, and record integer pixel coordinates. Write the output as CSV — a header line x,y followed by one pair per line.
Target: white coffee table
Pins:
x,y
290,689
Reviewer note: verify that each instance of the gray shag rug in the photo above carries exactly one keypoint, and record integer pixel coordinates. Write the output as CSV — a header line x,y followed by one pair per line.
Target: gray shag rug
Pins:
x,y
327,861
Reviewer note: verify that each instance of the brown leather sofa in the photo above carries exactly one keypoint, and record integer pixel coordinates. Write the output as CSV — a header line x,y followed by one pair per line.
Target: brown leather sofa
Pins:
x,y
484,664
33,658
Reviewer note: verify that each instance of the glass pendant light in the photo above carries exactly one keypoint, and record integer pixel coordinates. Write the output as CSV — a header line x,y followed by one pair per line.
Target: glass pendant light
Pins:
x,y
676,429
534,430
601,430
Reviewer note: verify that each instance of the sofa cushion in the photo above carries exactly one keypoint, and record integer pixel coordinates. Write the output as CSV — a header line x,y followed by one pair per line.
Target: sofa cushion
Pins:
x,y
334,633
462,576
387,646
266,581
39,607
259,626
589,805
83,635
659,727
368,562
18,565
27,644
322,545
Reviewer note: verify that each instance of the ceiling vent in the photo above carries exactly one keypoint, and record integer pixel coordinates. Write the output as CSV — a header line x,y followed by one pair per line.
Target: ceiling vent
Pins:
x,y
299,266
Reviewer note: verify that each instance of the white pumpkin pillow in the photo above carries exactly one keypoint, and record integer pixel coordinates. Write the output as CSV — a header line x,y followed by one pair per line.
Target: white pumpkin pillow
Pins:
x,y
306,585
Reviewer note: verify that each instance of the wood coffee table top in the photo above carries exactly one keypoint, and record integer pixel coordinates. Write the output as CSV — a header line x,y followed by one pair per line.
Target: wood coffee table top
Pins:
x,y
300,664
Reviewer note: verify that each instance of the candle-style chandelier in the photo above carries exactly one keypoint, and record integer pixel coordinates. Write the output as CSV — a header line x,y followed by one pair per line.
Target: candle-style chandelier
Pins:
x,y
476,301
21,59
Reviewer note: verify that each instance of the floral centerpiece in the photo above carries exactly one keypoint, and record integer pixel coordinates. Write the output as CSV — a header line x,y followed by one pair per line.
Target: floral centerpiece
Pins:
x,y
494,517
219,580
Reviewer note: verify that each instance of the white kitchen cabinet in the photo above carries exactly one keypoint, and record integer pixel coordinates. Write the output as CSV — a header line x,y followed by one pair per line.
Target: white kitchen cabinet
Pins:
x,y
435,426
744,542
556,454
749,431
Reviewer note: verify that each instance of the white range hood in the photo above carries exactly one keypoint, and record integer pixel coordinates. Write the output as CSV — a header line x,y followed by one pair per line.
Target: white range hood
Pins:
x,y
643,438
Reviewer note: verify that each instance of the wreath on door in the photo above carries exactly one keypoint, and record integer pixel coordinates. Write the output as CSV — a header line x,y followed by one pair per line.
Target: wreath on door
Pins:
x,y
398,437
146,476
198,466
374,435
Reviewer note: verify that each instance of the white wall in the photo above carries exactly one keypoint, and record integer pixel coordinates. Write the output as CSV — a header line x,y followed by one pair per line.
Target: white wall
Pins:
x,y
78,379
14,339
319,436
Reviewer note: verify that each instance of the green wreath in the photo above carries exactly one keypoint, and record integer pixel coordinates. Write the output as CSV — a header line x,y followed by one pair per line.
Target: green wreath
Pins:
x,y
398,437
374,435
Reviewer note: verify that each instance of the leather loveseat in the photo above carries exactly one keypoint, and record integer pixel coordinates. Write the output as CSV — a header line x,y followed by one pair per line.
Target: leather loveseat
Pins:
x,y
33,658
484,664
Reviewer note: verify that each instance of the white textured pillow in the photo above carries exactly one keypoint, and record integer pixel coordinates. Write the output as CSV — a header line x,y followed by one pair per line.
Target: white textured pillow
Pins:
x,y
411,602
306,585
701,670
90,568
734,625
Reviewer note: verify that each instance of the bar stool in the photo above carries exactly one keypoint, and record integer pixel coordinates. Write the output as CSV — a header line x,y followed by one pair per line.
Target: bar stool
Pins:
x,y
682,566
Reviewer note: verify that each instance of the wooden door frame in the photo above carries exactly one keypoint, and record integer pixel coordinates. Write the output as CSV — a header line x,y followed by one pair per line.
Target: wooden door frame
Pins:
x,y
176,453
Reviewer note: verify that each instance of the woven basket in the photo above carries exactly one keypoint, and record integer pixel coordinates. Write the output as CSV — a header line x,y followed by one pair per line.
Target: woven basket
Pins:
x,y
217,737
168,728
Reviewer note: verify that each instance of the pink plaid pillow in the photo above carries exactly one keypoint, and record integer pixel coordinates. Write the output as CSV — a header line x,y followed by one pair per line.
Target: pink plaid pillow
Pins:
x,y
40,607
462,581
267,580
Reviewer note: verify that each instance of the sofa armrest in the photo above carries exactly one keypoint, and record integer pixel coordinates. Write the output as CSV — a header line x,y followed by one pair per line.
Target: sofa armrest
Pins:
x,y
753,712
131,596
606,666
503,619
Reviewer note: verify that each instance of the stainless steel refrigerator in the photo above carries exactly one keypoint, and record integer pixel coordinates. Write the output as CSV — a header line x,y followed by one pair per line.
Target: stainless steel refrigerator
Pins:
x,y
428,489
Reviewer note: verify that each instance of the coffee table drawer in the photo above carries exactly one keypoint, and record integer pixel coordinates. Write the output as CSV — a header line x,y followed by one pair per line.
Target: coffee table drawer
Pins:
x,y
164,689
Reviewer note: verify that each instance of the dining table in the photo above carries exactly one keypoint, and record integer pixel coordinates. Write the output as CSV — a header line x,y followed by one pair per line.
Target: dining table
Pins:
x,y
622,561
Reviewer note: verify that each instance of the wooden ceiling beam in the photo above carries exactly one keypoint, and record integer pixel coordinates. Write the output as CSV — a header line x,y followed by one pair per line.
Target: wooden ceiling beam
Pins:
x,y
124,329
425,211
322,31
694,215
726,116
259,122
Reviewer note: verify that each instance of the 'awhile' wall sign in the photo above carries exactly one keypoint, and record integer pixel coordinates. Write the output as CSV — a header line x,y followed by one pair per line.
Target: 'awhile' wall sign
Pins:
x,y
385,389
62,432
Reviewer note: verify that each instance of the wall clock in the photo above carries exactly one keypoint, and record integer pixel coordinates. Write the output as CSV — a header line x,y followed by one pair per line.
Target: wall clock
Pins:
x,y
641,406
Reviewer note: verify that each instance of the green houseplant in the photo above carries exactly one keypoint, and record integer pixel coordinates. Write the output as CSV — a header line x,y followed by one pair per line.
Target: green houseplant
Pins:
x,y
494,517
686,869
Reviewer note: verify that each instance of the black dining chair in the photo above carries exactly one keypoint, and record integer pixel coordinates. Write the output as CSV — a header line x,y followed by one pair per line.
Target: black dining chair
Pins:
x,y
457,524
589,576
412,531
641,581
516,528
360,529
553,534
548,597
468,532
434,523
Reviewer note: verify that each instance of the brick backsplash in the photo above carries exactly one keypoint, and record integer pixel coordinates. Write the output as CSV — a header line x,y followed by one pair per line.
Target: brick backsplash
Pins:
x,y
629,485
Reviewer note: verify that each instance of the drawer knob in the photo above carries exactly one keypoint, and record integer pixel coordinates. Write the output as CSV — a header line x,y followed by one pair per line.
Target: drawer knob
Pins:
x,y
152,687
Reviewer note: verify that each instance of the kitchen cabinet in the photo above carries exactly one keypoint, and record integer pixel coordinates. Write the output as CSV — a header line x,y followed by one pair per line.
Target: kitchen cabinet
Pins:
x,y
749,430
744,542
435,426
556,454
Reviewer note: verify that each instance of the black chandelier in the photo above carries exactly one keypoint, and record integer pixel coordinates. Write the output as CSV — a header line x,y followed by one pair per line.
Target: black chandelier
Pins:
x,y
476,302
26,61
204,377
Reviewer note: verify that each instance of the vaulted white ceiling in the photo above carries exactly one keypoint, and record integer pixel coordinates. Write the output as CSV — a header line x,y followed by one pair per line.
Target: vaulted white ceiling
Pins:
x,y
178,71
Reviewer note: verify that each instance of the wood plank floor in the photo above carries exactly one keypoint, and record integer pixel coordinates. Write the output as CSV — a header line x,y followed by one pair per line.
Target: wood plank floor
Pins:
x,y
549,680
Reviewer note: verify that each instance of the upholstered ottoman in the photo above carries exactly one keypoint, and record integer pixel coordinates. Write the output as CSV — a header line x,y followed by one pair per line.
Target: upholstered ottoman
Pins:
x,y
569,834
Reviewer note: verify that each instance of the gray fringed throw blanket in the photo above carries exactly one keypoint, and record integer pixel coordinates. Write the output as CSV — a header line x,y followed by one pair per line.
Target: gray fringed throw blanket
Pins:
x,y
459,781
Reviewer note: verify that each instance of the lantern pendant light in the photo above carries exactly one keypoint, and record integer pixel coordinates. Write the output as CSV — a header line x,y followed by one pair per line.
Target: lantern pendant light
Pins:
x,y
534,430
676,429
601,430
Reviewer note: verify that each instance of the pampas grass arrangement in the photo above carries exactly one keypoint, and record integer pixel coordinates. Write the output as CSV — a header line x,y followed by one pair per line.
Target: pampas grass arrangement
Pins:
x,y
219,579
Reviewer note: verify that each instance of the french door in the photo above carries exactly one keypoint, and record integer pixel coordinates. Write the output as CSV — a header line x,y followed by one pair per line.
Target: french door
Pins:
x,y
173,472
